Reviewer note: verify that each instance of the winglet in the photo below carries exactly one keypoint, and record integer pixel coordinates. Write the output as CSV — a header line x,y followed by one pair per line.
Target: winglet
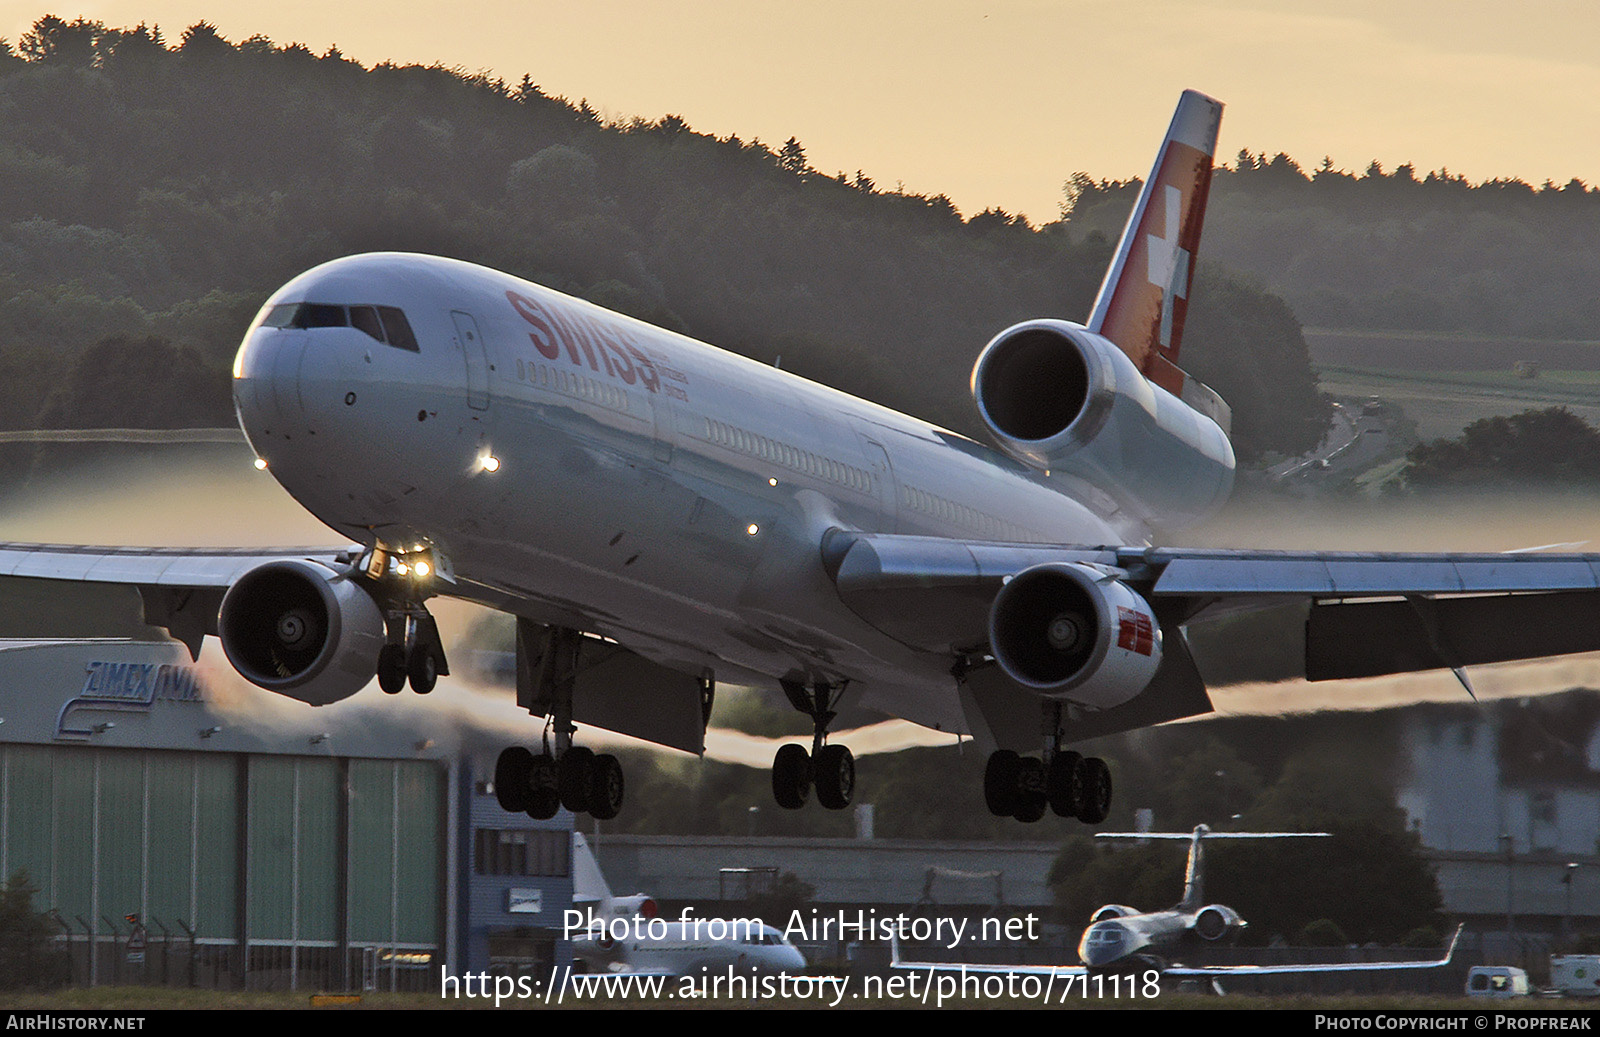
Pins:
x,y
1145,296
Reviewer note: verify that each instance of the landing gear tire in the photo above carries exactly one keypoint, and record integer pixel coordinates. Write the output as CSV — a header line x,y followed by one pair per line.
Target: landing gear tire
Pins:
x,y
1064,784
544,797
605,786
392,669
1096,804
1030,790
573,776
835,776
1000,782
791,777
423,669
511,773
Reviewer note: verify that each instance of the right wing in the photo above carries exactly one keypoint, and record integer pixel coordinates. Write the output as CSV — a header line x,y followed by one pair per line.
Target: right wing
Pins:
x,y
181,588
1286,970
1370,613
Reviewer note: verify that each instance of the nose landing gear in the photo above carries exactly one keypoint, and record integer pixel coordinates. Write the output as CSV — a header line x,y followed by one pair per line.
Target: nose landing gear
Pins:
x,y
414,653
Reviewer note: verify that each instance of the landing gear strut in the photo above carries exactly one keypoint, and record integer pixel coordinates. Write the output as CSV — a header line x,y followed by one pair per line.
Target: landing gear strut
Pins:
x,y
830,769
414,653
563,775
1069,784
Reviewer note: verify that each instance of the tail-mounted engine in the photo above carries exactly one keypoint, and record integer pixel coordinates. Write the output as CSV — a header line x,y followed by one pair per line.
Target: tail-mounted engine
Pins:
x,y
1070,631
1062,399
1111,911
301,630
1216,921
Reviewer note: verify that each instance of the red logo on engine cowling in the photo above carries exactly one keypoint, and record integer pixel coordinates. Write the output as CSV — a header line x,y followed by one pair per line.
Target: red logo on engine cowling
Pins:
x,y
588,342
1135,632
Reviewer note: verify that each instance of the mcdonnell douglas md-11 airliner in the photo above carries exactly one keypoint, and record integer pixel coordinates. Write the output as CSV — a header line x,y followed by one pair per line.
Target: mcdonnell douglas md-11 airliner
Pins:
x,y
660,515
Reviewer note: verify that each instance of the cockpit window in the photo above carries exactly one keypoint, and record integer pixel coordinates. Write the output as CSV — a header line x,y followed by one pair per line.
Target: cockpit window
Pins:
x,y
318,315
280,316
365,318
387,324
398,328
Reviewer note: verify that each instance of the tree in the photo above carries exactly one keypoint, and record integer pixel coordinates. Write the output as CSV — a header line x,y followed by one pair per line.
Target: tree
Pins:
x,y
28,958
792,158
1551,445
55,41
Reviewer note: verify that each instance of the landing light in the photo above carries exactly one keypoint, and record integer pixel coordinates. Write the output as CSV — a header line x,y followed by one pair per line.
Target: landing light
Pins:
x,y
261,464
772,482
423,568
490,463
752,529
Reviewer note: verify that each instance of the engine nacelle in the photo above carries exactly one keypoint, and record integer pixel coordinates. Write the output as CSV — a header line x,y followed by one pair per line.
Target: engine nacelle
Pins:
x,y
1072,632
301,630
636,906
1111,911
1067,401
1216,921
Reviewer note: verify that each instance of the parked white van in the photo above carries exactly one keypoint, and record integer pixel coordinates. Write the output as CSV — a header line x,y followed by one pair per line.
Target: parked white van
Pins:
x,y
1497,981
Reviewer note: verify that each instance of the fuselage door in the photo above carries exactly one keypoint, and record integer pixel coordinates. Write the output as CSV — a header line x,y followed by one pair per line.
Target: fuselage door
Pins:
x,y
470,341
883,482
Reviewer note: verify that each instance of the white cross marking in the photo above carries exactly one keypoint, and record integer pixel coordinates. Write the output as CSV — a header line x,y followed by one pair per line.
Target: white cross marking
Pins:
x,y
1169,264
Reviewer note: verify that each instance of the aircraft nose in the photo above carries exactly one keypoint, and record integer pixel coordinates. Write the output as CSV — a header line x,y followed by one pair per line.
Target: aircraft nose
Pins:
x,y
1104,943
266,381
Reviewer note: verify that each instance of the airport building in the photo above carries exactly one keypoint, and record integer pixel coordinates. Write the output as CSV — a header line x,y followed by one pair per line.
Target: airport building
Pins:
x,y
187,834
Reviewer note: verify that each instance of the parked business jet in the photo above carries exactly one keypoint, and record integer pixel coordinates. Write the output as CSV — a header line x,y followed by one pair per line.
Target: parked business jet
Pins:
x,y
1122,939
661,515
646,944
1119,936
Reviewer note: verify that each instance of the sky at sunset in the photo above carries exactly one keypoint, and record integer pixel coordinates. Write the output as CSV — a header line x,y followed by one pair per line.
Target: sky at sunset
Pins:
x,y
996,104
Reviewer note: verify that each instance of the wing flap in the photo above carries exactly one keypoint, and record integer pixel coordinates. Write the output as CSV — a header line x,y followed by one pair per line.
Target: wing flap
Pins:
x,y
1372,638
1331,574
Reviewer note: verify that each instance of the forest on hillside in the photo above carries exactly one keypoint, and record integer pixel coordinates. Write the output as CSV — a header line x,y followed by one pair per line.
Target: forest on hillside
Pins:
x,y
158,190
1394,249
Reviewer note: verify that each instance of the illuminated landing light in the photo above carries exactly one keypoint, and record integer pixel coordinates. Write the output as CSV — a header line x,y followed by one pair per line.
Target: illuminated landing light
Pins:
x,y
489,463
423,568
752,529
772,482
261,464
402,568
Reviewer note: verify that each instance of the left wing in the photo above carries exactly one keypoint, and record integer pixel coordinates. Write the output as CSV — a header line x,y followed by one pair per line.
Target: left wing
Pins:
x,y
1214,971
1370,614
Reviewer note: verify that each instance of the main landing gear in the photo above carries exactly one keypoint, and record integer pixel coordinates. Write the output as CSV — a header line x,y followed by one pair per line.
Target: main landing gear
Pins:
x,y
1069,784
831,769
579,779
570,776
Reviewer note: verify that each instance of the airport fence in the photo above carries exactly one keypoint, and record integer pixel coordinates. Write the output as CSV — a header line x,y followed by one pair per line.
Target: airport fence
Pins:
x,y
178,960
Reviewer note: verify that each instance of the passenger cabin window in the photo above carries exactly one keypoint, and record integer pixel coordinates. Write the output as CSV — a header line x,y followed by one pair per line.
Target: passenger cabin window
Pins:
x,y
387,324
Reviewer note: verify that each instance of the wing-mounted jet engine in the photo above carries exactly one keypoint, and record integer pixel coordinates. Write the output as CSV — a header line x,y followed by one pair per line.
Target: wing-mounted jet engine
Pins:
x,y
302,629
1074,632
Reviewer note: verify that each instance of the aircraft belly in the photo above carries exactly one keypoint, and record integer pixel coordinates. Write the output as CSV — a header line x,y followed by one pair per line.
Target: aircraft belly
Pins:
x,y
662,559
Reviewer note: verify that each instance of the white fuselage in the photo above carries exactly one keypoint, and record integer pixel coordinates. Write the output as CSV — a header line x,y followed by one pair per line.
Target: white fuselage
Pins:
x,y
687,948
646,487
